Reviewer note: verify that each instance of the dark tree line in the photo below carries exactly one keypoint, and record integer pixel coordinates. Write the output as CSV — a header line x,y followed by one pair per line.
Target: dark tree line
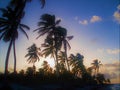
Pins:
x,y
55,45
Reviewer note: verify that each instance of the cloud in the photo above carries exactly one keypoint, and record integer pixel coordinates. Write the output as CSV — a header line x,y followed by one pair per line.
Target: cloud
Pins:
x,y
95,19
90,20
116,14
111,70
84,22
109,51
116,64
113,66
114,51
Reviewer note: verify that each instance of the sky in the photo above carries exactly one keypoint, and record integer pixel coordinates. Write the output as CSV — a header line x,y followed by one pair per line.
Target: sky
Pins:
x,y
93,23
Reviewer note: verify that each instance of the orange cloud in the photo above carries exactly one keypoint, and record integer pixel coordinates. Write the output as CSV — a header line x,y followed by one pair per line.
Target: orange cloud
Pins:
x,y
95,19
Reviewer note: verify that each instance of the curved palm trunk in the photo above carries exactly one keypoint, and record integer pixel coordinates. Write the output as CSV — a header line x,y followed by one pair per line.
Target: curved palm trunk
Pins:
x,y
66,60
57,67
7,58
14,57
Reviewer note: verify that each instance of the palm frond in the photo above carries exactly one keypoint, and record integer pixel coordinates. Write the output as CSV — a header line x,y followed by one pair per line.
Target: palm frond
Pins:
x,y
43,3
69,37
69,47
24,32
3,10
4,29
3,20
2,35
42,33
25,26
37,29
58,21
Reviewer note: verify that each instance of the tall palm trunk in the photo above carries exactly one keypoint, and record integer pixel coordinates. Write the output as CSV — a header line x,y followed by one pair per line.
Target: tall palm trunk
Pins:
x,y
66,60
55,61
7,58
14,57
34,69
57,67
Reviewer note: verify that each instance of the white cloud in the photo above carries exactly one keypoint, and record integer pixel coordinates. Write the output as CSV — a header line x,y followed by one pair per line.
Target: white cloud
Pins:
x,y
116,14
95,19
114,51
84,22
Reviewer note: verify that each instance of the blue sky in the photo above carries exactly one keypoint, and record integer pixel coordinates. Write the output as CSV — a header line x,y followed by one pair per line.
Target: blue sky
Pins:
x,y
93,23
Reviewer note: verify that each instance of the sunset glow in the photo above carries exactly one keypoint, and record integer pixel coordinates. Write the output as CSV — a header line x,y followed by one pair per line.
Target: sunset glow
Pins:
x,y
93,23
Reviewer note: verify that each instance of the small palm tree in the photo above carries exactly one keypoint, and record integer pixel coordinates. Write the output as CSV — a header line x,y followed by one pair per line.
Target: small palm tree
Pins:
x,y
76,62
96,64
62,58
9,26
33,55
47,69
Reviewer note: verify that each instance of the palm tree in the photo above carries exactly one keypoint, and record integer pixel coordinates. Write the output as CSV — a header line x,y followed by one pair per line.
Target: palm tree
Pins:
x,y
9,26
49,26
62,58
47,69
49,49
76,62
96,64
33,54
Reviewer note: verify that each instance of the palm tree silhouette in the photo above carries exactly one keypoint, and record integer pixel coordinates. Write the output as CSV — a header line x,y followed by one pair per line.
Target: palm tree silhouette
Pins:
x,y
76,62
9,26
20,4
49,25
62,58
47,69
33,54
96,64
49,49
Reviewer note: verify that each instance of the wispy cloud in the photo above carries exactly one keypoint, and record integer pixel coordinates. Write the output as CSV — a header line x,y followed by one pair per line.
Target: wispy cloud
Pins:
x,y
108,51
113,51
112,70
116,14
84,22
95,19
115,64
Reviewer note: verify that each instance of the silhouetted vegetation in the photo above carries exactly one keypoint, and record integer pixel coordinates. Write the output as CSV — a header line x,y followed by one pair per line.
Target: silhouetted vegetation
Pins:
x,y
68,70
